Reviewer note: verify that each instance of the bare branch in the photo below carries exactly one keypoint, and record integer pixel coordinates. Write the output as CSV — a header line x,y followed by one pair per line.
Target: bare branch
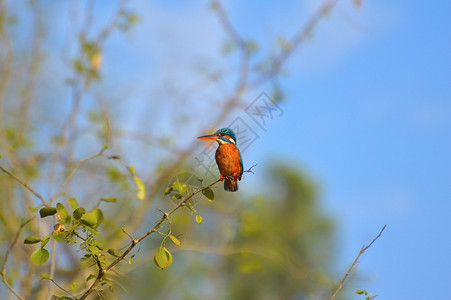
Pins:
x,y
364,248
299,38
69,175
227,25
60,287
24,184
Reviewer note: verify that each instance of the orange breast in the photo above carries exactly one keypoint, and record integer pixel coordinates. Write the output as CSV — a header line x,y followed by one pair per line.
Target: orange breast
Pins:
x,y
228,159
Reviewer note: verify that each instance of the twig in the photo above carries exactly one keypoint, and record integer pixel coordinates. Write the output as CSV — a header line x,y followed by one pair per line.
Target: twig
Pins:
x,y
296,41
24,184
134,242
52,264
5,260
364,248
69,175
60,287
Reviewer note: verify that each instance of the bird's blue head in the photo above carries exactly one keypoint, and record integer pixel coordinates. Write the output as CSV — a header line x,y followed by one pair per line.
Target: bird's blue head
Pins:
x,y
222,136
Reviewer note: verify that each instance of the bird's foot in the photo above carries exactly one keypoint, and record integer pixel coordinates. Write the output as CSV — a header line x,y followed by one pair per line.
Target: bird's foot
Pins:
x,y
221,178
235,175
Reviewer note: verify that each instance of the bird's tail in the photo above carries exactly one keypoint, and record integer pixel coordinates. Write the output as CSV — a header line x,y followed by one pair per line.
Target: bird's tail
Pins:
x,y
231,185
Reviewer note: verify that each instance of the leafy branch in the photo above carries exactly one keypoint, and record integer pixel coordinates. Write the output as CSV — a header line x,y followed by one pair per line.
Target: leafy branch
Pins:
x,y
364,248
102,271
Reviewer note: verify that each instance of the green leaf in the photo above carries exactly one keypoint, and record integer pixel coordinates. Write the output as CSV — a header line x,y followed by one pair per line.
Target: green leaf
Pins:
x,y
47,211
73,203
91,276
141,194
191,207
40,256
180,186
112,252
131,257
175,240
78,213
177,196
78,65
208,192
59,237
93,218
162,258
31,240
111,200
168,190
63,214
199,219
360,292
45,240
74,286
86,256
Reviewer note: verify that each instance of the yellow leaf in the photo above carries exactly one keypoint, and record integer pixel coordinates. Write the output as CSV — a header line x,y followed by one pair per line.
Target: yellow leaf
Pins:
x,y
141,188
175,240
199,219
180,186
131,169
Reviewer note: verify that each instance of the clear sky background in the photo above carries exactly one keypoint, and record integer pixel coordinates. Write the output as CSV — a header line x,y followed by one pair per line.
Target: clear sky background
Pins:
x,y
367,114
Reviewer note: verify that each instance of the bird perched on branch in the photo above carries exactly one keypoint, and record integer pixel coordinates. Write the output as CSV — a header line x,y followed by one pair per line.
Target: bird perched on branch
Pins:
x,y
228,158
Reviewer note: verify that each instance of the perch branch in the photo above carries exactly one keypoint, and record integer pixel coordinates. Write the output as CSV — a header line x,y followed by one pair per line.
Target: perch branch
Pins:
x,y
135,241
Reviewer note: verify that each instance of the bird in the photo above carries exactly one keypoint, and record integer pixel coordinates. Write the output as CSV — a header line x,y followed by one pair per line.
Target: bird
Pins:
x,y
228,158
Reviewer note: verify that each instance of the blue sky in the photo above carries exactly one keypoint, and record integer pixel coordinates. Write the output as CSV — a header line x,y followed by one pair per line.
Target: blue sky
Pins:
x,y
368,114
374,127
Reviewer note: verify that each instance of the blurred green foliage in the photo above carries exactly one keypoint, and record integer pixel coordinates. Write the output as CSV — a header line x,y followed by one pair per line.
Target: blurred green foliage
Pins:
x,y
275,244
67,214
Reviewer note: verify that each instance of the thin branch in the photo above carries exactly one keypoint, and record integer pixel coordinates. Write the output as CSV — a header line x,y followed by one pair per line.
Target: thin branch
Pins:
x,y
227,25
69,175
364,248
303,34
60,287
5,260
24,184
52,264
135,241
245,52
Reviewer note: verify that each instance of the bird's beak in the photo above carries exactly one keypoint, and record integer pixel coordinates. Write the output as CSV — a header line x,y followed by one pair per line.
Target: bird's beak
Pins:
x,y
208,137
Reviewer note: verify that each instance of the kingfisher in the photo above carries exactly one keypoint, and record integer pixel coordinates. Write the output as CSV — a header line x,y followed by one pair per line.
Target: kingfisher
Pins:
x,y
228,158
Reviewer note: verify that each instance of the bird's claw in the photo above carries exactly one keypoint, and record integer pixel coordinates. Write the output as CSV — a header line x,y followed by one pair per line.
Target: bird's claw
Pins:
x,y
221,178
